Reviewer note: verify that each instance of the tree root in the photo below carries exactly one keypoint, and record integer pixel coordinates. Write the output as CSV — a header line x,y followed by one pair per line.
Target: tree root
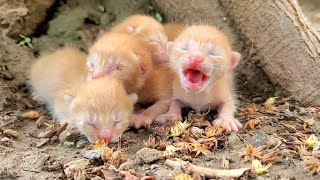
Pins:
x,y
208,172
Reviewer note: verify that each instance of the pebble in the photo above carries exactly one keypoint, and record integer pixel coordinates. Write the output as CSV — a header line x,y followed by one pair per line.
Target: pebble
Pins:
x,y
148,155
71,135
68,144
81,143
90,154
234,140
34,163
259,138
302,111
127,165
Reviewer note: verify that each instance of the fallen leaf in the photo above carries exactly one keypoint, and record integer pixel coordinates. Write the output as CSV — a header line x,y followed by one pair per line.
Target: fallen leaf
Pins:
x,y
178,128
31,115
311,140
99,144
10,132
289,127
39,121
312,164
258,167
199,148
251,153
170,150
307,123
182,176
250,124
213,131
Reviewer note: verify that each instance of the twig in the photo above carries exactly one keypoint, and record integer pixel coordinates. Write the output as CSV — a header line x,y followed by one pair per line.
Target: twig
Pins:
x,y
208,172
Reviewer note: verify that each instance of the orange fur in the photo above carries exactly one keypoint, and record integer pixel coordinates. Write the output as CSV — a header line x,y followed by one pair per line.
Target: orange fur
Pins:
x,y
149,30
92,106
173,30
216,62
127,57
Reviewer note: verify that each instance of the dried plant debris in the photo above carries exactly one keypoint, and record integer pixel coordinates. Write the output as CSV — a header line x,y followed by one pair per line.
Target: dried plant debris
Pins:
x,y
99,144
31,115
258,167
251,153
251,124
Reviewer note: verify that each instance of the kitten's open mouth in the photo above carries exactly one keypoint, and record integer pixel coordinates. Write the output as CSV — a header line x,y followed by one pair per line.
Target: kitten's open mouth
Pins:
x,y
194,79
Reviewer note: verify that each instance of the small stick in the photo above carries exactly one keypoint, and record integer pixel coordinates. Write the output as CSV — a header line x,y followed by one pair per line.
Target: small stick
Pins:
x,y
208,172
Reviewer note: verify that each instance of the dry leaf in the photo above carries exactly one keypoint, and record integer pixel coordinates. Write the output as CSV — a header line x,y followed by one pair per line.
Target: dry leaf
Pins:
x,y
182,176
106,155
251,153
162,144
183,146
250,124
312,164
31,115
39,121
269,157
151,143
258,167
213,131
311,140
178,128
10,132
307,123
199,148
289,127
117,158
170,150
99,144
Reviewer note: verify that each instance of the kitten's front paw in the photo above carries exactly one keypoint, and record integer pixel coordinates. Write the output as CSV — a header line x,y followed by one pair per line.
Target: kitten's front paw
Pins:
x,y
139,121
228,124
168,118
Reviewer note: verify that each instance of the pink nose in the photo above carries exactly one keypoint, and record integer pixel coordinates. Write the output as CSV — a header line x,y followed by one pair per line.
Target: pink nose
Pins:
x,y
195,60
98,74
105,134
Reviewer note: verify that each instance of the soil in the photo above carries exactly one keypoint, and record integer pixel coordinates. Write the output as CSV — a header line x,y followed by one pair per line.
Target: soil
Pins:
x,y
77,23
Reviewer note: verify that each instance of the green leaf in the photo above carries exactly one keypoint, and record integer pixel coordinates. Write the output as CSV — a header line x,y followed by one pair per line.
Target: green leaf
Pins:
x,y
27,40
158,17
101,8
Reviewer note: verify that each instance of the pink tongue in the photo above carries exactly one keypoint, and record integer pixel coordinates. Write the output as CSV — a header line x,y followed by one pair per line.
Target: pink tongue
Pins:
x,y
194,76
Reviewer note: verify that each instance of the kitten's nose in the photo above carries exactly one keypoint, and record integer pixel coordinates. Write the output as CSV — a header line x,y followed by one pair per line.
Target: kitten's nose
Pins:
x,y
195,60
105,134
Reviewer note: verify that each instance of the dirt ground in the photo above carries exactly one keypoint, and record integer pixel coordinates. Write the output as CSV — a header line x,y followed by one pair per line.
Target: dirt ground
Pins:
x,y
31,152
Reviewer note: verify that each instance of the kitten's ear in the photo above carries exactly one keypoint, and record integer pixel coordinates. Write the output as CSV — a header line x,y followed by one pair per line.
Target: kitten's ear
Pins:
x,y
235,57
68,98
130,29
138,60
92,61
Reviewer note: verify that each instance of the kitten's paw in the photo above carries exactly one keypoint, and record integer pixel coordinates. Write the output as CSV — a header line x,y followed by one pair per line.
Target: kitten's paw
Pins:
x,y
168,118
139,121
228,124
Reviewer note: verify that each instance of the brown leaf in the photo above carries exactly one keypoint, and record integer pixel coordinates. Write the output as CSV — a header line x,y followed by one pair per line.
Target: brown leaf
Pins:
x,y
251,153
307,123
39,121
289,127
250,124
10,132
117,158
106,155
150,143
213,131
31,115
